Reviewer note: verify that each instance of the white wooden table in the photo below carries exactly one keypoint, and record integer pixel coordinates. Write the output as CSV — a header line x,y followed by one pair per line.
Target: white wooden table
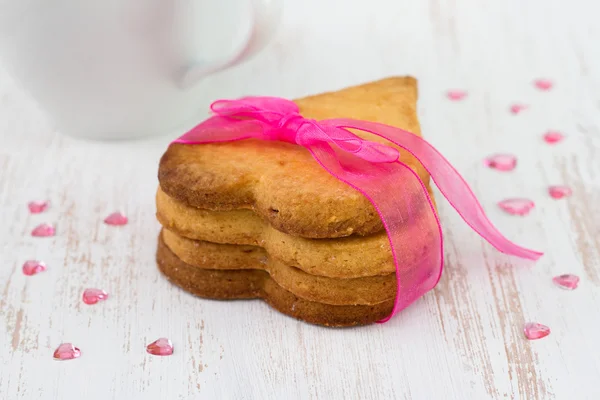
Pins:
x,y
463,340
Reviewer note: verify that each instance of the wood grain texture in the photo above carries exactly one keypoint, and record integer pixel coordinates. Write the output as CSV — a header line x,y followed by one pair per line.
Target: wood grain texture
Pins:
x,y
463,340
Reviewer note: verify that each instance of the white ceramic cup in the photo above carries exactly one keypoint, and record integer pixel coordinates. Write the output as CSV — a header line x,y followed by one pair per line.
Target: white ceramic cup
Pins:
x,y
116,69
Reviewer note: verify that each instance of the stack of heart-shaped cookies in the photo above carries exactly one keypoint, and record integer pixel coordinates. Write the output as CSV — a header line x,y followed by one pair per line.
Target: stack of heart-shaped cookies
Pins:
x,y
261,219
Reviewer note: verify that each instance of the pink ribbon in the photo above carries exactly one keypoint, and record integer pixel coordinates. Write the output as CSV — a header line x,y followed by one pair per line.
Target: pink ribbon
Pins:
x,y
377,172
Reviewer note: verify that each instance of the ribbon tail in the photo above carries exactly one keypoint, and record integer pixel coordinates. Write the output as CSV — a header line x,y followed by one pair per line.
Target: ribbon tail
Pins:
x,y
450,183
407,213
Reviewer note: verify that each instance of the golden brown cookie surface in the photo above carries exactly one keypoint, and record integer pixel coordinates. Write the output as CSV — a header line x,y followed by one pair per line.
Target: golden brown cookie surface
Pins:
x,y
248,284
280,181
350,257
206,255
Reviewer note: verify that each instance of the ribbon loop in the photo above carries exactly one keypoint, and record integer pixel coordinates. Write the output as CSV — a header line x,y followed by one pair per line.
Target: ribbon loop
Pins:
x,y
374,169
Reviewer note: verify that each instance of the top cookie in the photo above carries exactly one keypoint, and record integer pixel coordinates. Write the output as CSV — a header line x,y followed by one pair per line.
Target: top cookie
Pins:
x,y
280,181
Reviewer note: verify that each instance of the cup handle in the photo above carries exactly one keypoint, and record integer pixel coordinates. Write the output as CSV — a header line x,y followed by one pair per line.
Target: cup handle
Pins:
x,y
265,19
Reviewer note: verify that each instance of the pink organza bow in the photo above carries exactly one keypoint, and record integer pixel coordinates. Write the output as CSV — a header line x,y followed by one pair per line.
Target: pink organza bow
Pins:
x,y
375,170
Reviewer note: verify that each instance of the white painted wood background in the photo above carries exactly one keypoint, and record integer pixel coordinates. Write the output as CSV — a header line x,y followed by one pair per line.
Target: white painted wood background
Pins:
x,y
463,340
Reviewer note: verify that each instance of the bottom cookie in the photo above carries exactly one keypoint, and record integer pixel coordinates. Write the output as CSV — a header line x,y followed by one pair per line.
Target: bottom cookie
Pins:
x,y
248,284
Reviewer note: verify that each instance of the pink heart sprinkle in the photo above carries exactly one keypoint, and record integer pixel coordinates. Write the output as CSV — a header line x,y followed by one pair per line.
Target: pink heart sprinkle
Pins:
x,y
456,94
116,219
43,230
160,347
66,351
534,331
36,207
32,267
566,281
517,206
558,192
552,137
92,296
501,162
543,84
517,108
